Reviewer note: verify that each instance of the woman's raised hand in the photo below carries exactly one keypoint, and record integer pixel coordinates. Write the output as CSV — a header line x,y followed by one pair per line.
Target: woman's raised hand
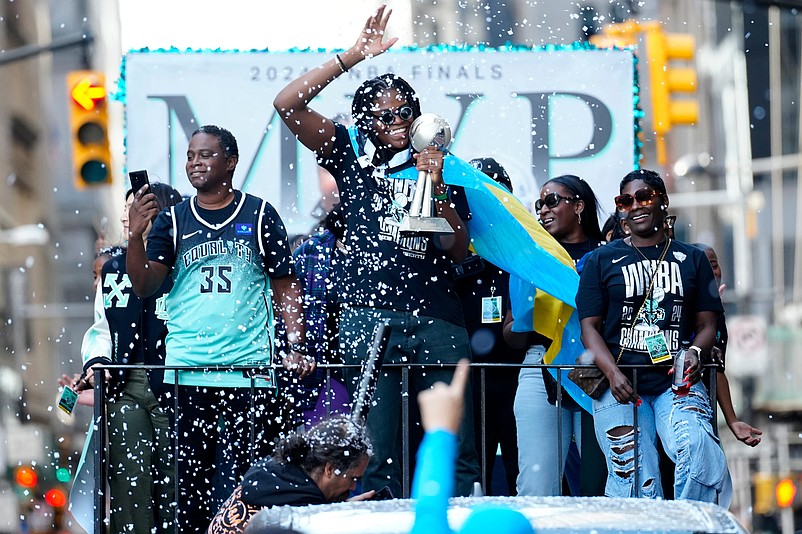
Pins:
x,y
370,42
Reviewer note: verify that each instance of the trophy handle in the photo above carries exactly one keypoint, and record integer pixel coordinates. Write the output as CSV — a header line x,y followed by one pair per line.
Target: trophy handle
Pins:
x,y
417,199
426,209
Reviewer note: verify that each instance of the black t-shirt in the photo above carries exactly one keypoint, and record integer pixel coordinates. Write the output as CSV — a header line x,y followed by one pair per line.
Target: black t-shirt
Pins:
x,y
381,267
477,279
612,286
577,251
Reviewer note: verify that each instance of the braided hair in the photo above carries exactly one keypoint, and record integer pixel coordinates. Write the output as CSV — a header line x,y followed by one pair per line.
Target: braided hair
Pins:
x,y
370,90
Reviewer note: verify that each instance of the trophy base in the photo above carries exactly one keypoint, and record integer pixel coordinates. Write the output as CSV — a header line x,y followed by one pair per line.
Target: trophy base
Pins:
x,y
425,225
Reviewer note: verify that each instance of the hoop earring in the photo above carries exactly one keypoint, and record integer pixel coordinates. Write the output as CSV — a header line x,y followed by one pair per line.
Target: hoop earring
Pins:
x,y
579,216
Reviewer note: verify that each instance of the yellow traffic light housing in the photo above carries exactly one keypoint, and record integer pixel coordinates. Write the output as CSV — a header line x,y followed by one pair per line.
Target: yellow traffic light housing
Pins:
x,y
667,80
89,120
764,493
620,35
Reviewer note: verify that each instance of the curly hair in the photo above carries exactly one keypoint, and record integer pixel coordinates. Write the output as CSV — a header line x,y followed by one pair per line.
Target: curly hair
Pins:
x,y
337,441
370,90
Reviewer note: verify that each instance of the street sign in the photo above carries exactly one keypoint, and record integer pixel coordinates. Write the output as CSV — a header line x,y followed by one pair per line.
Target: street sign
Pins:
x,y
747,347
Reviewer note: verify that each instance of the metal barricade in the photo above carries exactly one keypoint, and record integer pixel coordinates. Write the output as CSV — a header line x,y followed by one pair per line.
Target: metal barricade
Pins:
x,y
101,434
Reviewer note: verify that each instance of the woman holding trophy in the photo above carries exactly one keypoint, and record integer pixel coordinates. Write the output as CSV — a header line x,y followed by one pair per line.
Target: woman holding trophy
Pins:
x,y
390,269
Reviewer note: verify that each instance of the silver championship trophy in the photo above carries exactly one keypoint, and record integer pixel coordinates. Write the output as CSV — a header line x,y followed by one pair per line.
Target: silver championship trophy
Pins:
x,y
427,130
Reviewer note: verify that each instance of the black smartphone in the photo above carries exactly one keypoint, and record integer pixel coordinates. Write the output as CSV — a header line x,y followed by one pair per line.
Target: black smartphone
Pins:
x,y
139,179
383,494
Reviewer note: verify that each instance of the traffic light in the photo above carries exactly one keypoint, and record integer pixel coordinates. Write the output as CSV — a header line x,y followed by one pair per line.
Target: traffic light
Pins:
x,y
63,474
26,477
56,498
89,120
785,492
764,493
668,80
621,35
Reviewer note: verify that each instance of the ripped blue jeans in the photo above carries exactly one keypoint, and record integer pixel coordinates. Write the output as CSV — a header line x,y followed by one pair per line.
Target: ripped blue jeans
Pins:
x,y
683,425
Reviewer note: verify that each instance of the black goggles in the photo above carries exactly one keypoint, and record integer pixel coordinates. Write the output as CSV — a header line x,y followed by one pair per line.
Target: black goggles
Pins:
x,y
387,116
550,201
645,197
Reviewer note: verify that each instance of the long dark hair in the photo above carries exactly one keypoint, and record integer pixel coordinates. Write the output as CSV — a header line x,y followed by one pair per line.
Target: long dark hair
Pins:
x,y
581,190
370,90
337,441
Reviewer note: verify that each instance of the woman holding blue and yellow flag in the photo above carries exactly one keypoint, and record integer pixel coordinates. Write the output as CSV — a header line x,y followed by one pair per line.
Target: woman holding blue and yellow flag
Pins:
x,y
567,209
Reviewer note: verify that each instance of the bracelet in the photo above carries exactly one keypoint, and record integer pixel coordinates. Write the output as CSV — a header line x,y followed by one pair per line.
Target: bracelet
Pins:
x,y
340,63
697,349
299,348
443,197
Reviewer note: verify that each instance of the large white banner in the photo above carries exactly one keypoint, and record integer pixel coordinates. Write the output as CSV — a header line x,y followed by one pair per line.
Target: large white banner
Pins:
x,y
540,113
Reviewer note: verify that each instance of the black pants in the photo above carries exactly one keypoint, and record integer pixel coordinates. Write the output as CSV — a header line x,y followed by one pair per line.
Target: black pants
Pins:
x,y
215,447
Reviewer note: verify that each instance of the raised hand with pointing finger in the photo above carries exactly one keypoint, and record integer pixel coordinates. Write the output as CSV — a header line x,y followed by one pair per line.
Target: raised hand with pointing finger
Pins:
x,y
441,406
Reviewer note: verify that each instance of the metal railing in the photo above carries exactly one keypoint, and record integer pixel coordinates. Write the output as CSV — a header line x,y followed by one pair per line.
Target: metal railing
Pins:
x,y
254,373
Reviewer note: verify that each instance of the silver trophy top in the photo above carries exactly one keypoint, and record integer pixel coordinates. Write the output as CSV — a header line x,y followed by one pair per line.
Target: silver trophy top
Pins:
x,y
430,129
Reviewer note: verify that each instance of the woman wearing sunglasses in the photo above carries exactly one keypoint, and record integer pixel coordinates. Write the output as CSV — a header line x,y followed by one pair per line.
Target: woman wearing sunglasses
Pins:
x,y
384,274
567,209
640,300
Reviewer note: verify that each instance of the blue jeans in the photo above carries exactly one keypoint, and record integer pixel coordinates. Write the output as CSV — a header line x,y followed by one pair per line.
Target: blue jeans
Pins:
x,y
416,340
683,426
536,420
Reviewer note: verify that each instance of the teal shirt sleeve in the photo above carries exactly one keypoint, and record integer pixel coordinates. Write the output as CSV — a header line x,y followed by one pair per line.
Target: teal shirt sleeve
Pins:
x,y
433,484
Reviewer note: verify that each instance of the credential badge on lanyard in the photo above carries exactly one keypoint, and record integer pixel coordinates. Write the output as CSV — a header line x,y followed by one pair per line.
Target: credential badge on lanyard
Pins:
x,y
491,307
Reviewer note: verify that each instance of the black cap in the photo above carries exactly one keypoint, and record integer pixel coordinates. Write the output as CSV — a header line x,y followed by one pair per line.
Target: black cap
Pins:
x,y
493,169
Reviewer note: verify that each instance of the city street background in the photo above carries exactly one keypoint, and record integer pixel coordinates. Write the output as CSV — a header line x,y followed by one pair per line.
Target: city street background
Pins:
x,y
733,178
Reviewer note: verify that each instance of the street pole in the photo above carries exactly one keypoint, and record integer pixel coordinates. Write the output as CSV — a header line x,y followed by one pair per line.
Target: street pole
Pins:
x,y
27,51
784,470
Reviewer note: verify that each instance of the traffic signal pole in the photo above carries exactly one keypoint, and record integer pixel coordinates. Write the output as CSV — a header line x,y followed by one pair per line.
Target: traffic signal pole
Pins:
x,y
27,51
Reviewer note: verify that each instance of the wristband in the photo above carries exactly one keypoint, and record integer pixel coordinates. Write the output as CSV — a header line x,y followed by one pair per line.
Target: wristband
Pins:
x,y
443,197
697,349
299,348
340,63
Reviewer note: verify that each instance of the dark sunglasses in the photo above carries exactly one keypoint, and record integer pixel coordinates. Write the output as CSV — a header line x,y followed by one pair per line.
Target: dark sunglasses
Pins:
x,y
387,116
645,197
550,201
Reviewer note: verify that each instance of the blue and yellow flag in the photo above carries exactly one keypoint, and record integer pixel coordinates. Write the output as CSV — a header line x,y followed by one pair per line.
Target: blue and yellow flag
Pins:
x,y
542,274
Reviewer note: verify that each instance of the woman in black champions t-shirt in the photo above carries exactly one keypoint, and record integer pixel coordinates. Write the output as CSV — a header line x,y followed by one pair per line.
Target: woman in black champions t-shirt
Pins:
x,y
639,299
